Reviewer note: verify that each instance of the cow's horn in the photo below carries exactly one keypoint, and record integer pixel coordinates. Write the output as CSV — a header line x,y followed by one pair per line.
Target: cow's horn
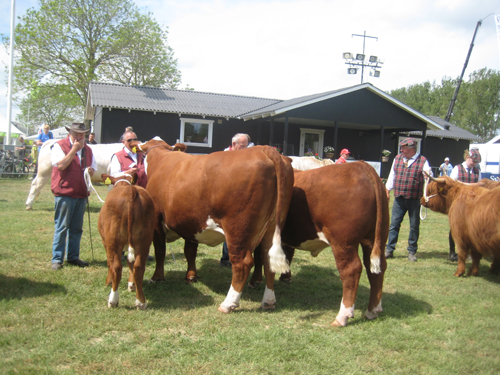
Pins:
x,y
438,180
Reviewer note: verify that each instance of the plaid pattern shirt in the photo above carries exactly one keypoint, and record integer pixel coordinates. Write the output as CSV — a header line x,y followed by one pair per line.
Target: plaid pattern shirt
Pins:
x,y
408,180
469,177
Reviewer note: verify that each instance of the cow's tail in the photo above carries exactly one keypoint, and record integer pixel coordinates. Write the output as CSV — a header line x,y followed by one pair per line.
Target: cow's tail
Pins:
x,y
277,258
381,225
132,198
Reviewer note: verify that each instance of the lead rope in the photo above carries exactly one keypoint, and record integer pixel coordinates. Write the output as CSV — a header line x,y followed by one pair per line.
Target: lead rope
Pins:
x,y
426,198
88,182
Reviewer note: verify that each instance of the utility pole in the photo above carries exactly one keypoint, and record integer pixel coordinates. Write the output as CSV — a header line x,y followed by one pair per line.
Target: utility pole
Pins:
x,y
364,36
358,59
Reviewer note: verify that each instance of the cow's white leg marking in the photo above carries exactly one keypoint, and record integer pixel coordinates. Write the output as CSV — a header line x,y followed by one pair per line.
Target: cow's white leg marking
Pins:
x,y
344,314
374,314
277,258
131,254
231,302
269,299
113,298
375,265
131,286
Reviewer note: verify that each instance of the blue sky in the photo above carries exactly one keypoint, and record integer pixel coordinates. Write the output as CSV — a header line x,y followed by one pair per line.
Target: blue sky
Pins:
x,y
285,49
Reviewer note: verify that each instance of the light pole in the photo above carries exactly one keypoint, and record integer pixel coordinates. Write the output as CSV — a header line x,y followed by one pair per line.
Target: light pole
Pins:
x,y
374,62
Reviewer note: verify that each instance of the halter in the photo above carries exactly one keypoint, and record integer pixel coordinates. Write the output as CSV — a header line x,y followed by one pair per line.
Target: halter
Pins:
x,y
152,148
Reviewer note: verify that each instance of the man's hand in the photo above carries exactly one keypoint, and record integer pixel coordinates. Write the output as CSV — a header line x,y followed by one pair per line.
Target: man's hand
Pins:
x,y
78,145
388,194
91,171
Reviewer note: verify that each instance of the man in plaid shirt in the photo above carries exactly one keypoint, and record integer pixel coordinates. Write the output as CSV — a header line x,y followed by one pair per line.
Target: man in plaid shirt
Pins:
x,y
407,181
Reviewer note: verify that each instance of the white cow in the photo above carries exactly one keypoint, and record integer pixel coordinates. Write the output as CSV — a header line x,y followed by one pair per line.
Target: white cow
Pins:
x,y
102,154
304,163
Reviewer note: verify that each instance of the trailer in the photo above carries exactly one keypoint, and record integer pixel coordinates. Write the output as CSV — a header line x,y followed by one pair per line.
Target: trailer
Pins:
x,y
490,158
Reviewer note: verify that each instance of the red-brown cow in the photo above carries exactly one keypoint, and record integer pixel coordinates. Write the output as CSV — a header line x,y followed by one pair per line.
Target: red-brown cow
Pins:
x,y
127,218
474,219
341,206
241,196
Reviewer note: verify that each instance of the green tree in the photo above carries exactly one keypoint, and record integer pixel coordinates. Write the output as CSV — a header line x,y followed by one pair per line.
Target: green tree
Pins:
x,y
477,108
69,43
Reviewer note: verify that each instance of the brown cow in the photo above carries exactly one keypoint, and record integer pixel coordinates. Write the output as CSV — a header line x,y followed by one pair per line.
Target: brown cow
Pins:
x,y
241,196
341,206
126,218
474,219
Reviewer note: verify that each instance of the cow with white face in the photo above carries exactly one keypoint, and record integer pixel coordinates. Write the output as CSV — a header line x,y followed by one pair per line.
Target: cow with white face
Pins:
x,y
102,154
305,163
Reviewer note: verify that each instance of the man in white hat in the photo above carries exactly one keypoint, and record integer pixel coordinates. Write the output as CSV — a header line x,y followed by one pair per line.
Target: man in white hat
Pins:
x,y
70,158
445,168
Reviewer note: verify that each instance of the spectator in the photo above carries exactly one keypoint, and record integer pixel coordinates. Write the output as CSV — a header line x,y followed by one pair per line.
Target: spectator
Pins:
x,y
126,161
70,157
91,140
407,180
468,172
445,168
240,141
43,137
127,129
21,148
344,154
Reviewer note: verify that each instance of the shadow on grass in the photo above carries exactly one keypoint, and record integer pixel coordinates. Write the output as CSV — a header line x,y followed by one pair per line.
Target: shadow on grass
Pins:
x,y
20,288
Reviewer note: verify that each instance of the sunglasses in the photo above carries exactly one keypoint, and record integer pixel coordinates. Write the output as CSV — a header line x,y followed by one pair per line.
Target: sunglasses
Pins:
x,y
132,139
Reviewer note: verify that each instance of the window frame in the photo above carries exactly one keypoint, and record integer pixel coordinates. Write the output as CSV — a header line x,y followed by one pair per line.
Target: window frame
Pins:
x,y
210,124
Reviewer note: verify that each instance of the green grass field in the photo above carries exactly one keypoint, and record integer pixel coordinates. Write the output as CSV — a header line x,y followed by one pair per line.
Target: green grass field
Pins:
x,y
59,323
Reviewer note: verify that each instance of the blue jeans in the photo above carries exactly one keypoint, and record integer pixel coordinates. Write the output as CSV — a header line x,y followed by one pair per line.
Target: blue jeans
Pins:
x,y
68,219
399,209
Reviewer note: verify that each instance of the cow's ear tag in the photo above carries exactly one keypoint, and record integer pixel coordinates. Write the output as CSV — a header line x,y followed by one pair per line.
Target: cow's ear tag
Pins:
x,y
440,190
107,181
134,150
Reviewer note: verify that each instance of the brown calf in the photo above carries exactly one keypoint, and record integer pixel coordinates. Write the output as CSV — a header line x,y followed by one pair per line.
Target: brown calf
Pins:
x,y
126,219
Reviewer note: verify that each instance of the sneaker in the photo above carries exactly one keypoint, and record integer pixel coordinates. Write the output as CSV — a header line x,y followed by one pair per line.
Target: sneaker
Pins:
x,y
388,254
412,257
56,266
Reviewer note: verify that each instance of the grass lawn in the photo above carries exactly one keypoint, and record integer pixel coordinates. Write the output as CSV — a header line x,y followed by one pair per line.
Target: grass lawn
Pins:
x,y
59,323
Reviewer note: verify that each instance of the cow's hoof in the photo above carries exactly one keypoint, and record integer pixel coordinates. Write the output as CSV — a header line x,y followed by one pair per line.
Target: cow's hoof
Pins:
x,y
336,323
153,281
268,306
131,287
28,208
140,305
190,280
254,284
112,304
286,279
458,274
226,309
370,315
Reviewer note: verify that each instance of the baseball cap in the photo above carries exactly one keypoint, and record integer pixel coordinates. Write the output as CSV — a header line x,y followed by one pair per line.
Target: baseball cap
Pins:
x,y
344,151
447,159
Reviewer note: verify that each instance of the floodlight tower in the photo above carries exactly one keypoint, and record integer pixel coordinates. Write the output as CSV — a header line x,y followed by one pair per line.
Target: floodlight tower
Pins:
x,y
374,62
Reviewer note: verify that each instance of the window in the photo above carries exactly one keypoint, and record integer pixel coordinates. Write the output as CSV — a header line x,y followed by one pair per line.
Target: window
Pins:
x,y
311,140
196,132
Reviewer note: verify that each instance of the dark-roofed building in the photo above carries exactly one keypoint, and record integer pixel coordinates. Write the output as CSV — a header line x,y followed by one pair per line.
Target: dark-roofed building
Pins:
x,y
361,118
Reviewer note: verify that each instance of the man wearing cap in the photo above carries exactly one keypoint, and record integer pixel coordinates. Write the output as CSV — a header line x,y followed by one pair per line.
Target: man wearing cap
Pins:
x,y
407,181
126,161
467,172
445,168
344,154
70,157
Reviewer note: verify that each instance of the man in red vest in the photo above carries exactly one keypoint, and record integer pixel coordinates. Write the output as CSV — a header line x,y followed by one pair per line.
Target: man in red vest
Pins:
x,y
125,161
70,158
407,181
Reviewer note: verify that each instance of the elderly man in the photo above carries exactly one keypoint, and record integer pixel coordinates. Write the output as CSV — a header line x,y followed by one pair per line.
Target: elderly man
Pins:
x,y
70,158
445,168
467,172
239,141
407,181
126,161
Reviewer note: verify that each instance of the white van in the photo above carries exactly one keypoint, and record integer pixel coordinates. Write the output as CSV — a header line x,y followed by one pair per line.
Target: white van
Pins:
x,y
490,157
